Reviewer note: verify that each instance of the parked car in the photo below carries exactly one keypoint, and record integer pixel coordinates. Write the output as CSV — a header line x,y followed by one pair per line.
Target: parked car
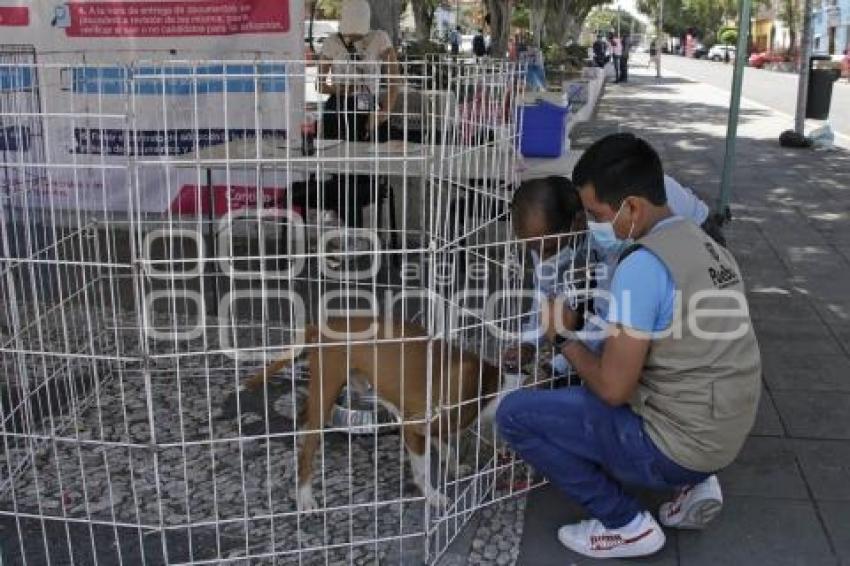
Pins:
x,y
759,60
700,51
718,52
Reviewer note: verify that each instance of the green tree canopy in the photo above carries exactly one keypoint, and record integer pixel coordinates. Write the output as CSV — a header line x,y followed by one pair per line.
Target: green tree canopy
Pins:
x,y
605,19
704,17
728,36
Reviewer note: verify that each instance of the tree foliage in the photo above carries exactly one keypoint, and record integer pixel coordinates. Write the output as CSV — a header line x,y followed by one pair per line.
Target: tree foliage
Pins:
x,y
728,36
561,21
328,9
605,19
386,15
558,20
423,16
704,18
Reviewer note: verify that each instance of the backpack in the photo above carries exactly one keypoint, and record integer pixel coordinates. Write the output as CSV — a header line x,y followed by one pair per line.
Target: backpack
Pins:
x,y
478,46
599,49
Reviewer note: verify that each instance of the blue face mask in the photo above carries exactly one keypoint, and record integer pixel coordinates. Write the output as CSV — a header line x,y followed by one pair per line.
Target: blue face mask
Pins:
x,y
604,237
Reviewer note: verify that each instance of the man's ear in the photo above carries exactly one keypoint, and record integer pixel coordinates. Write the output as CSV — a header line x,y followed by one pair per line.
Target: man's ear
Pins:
x,y
635,208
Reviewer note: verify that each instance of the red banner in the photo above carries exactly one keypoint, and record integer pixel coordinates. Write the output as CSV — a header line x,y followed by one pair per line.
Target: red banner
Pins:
x,y
225,201
177,18
15,17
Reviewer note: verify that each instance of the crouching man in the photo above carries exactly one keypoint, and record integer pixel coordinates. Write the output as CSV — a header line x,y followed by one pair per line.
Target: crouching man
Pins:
x,y
673,394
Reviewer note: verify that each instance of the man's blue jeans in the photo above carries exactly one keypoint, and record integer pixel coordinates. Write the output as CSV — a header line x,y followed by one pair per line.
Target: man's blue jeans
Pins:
x,y
589,449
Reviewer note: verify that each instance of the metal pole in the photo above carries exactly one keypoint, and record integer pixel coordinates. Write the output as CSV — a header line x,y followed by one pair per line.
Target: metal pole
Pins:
x,y
659,32
722,207
803,83
618,21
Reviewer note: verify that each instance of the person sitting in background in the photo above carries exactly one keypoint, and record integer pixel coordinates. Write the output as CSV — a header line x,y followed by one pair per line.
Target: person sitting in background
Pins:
x,y
354,66
673,394
354,70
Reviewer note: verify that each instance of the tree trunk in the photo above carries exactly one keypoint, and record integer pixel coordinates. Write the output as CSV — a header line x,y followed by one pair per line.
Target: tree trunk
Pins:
x,y
499,12
563,25
539,14
386,15
423,16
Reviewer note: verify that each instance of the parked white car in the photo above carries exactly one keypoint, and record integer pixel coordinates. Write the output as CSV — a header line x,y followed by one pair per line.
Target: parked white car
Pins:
x,y
718,52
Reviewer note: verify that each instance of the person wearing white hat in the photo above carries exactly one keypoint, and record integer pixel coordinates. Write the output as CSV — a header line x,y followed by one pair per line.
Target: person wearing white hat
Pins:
x,y
353,69
356,67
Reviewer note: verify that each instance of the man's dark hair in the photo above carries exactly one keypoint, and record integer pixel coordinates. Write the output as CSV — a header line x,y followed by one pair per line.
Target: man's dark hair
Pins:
x,y
555,198
620,166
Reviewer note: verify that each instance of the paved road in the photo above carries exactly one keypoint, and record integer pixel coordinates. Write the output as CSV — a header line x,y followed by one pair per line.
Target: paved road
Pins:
x,y
775,90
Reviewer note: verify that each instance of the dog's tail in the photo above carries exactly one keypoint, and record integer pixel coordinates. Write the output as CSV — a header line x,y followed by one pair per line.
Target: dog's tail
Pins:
x,y
311,334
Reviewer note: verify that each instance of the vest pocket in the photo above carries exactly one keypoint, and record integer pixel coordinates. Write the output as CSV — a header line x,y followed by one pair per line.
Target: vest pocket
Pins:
x,y
732,397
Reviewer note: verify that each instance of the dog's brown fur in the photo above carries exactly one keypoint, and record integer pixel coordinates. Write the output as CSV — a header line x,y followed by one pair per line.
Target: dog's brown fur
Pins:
x,y
397,370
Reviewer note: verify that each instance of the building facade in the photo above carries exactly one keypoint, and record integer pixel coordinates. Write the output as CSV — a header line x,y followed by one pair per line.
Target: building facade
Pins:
x,y
769,31
831,26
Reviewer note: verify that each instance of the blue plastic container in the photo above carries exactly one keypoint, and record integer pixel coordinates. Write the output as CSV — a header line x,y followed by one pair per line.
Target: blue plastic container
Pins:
x,y
544,128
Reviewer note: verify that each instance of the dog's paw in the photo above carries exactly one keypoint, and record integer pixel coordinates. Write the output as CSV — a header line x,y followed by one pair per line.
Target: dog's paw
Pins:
x,y
305,499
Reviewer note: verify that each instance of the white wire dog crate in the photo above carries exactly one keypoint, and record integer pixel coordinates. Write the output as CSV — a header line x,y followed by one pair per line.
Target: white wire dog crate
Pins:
x,y
156,254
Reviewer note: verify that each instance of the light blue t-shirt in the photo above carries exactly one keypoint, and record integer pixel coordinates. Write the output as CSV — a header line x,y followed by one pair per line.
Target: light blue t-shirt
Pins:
x,y
683,202
643,291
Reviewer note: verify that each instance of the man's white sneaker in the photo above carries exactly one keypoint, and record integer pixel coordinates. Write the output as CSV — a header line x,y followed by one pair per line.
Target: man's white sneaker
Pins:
x,y
694,507
591,538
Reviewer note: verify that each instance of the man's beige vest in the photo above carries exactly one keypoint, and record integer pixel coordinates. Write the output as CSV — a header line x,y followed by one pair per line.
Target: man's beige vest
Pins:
x,y
700,387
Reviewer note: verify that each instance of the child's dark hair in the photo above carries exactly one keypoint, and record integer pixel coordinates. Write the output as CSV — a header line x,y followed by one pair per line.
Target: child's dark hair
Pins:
x,y
554,198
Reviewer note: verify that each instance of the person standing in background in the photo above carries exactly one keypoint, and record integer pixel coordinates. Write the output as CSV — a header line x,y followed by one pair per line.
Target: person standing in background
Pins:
x,y
599,49
454,40
616,55
479,44
625,46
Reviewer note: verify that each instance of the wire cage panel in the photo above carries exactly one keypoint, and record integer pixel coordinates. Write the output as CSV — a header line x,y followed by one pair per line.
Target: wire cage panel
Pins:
x,y
374,273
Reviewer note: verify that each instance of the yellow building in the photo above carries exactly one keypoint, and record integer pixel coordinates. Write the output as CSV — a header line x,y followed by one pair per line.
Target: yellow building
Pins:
x,y
769,32
764,30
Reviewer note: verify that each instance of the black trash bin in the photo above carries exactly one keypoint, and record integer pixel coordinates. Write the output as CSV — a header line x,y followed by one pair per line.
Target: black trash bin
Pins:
x,y
822,73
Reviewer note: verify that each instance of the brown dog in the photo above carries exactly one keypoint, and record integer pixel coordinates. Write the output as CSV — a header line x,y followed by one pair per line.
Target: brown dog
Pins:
x,y
393,358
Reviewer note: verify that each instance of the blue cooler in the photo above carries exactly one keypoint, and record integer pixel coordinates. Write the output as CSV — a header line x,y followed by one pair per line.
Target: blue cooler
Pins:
x,y
544,128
